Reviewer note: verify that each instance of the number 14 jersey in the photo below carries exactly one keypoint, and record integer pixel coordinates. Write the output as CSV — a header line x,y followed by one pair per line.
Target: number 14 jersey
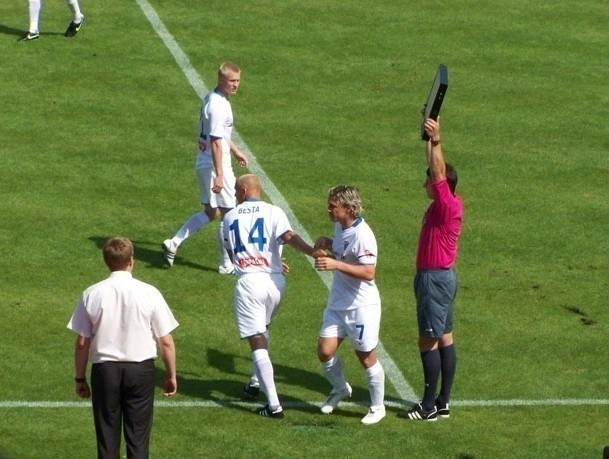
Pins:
x,y
252,231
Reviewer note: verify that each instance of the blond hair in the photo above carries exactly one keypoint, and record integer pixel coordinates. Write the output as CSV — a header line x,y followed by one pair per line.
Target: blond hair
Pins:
x,y
228,67
348,197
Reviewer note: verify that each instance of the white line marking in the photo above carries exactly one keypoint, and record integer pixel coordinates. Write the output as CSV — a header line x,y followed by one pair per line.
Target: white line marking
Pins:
x,y
164,403
391,370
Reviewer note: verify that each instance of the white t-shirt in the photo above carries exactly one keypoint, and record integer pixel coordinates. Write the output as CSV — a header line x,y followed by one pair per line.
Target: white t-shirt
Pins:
x,y
354,245
216,121
123,317
252,231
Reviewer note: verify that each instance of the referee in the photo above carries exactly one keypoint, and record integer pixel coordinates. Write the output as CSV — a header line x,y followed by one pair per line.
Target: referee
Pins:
x,y
119,322
435,282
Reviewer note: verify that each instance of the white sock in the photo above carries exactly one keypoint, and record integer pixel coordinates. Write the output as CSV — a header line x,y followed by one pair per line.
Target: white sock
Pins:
x,y
224,258
34,15
334,373
76,14
190,227
254,381
376,384
266,376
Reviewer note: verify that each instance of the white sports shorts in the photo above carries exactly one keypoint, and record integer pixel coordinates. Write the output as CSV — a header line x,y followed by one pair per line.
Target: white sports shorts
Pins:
x,y
360,325
226,198
256,301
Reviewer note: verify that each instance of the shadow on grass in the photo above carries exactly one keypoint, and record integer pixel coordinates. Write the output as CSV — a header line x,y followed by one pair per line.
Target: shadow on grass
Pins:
x,y
151,254
6,30
229,392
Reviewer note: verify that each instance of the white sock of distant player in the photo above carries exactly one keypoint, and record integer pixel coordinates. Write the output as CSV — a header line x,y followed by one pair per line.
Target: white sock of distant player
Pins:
x,y
334,373
34,15
376,384
224,258
76,14
190,227
266,376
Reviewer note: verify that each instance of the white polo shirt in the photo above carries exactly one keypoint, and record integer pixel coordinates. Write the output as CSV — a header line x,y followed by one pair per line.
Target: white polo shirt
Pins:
x,y
123,317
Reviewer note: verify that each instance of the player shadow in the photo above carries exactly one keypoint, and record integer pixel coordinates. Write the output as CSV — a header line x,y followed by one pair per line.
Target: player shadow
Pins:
x,y
229,392
6,30
151,255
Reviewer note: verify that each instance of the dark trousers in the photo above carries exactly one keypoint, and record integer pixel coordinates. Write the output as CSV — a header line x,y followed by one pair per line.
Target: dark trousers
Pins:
x,y
123,395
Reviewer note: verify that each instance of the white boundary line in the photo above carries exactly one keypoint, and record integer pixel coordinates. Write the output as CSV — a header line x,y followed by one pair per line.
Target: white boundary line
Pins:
x,y
233,403
391,370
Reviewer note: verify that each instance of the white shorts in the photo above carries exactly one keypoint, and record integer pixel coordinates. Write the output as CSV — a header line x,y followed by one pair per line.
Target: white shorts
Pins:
x,y
256,301
226,198
360,325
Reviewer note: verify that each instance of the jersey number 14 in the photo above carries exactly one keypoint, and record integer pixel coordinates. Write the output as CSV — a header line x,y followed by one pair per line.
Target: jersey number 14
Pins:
x,y
255,235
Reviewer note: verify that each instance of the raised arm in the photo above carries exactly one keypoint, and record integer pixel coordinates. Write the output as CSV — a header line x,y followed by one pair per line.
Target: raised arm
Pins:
x,y
433,151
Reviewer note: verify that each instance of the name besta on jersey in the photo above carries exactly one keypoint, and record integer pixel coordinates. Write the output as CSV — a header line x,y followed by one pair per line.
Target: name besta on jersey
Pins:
x,y
248,210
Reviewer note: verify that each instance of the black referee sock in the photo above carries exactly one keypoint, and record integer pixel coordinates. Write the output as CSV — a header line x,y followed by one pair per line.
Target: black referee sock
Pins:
x,y
431,372
448,356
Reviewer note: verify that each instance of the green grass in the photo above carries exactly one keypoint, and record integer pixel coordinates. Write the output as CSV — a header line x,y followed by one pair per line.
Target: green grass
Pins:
x,y
97,139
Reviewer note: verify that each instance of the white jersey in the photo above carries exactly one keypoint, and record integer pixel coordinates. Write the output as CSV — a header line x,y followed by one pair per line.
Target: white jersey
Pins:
x,y
123,317
216,120
252,231
354,245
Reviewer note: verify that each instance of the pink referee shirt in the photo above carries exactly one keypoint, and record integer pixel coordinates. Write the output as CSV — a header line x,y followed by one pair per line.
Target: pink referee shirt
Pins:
x,y
441,229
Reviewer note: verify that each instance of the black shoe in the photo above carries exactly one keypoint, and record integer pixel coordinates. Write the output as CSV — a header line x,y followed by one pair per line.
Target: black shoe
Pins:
x,y
73,28
30,36
266,412
443,409
419,414
251,390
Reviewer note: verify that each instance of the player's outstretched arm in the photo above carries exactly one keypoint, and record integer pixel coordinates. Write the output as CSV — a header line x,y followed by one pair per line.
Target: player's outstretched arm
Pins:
x,y
295,241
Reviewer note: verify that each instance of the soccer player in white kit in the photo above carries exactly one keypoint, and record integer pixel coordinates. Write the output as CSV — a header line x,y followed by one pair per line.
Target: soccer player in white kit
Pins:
x,y
34,10
254,233
214,165
353,310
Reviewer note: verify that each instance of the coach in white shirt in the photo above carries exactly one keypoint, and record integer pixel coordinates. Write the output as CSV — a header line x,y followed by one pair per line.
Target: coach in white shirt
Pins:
x,y
119,322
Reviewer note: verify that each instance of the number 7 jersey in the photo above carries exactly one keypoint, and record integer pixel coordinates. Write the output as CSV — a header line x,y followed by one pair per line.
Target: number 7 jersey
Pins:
x,y
252,231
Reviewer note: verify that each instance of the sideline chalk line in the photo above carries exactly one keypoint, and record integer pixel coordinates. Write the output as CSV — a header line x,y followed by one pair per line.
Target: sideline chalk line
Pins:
x,y
238,403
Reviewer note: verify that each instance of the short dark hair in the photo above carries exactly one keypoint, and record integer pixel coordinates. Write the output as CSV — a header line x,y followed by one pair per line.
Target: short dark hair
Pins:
x,y
451,177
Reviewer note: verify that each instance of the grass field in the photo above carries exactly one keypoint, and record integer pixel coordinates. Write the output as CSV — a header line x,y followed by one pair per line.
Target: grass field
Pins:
x,y
97,138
